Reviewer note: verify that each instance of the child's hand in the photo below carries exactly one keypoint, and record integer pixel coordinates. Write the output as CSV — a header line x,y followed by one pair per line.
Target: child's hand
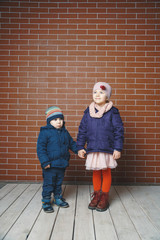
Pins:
x,y
116,155
81,153
48,166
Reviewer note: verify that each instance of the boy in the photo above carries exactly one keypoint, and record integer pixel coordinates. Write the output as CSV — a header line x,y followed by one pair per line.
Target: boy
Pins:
x,y
53,146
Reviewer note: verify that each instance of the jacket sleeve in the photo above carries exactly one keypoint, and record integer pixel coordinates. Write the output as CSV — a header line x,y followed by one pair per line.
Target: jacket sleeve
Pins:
x,y
82,133
72,144
118,130
42,149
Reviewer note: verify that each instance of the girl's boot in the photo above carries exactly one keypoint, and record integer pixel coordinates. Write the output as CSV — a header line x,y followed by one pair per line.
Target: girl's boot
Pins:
x,y
103,204
95,200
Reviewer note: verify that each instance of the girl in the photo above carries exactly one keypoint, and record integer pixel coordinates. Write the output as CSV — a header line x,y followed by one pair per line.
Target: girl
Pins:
x,y
102,128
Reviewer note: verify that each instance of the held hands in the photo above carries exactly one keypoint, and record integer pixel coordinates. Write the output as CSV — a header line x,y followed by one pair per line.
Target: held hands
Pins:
x,y
81,153
48,166
116,155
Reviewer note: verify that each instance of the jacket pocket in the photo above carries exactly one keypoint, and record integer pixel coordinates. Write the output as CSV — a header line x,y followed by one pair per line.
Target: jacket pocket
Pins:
x,y
105,144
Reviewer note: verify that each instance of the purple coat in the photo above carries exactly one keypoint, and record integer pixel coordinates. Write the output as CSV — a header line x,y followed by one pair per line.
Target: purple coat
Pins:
x,y
104,134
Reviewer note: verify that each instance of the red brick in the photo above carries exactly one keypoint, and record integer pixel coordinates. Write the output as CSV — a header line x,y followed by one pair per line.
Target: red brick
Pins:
x,y
85,42
26,178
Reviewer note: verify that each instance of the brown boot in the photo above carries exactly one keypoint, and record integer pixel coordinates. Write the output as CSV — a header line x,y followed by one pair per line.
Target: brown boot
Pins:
x,y
103,204
95,200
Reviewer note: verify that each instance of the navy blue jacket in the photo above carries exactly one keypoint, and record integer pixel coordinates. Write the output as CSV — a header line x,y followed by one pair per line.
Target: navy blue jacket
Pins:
x,y
53,146
104,134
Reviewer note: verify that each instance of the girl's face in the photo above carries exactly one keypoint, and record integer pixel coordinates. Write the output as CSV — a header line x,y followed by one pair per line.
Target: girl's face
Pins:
x,y
99,97
57,123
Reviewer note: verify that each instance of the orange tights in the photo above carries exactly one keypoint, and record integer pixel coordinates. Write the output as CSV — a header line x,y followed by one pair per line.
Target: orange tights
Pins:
x,y
98,183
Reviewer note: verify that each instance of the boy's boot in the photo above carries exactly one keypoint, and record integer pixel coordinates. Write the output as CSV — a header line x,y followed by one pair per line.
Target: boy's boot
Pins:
x,y
60,201
46,205
103,204
95,200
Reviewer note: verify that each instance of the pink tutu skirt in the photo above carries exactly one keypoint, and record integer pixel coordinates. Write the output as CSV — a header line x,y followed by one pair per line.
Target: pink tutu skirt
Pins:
x,y
100,160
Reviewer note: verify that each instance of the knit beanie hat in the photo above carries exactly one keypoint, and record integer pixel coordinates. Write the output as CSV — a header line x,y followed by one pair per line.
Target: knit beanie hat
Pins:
x,y
52,113
105,87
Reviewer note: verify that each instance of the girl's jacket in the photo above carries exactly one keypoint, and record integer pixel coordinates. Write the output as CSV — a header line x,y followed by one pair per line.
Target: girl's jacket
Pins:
x,y
104,134
53,146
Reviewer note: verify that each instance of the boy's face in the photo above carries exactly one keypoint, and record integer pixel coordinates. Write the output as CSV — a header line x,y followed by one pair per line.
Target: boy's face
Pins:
x,y
57,123
99,97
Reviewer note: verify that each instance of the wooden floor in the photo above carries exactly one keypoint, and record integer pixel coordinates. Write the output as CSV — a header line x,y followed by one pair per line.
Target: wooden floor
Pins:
x,y
134,213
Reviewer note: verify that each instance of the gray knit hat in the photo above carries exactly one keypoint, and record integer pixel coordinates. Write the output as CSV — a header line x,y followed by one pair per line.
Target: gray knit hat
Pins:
x,y
105,87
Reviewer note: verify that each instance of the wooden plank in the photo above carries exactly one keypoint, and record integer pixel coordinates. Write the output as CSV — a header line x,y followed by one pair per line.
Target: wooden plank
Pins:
x,y
84,226
123,225
152,193
141,222
64,224
6,189
146,202
44,225
2,184
11,197
23,225
42,228
14,211
104,228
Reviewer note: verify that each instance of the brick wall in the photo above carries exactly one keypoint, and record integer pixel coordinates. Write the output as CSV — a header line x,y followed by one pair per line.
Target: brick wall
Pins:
x,y
52,52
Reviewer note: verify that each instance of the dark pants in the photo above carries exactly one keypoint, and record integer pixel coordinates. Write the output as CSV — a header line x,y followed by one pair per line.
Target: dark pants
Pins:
x,y
52,182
